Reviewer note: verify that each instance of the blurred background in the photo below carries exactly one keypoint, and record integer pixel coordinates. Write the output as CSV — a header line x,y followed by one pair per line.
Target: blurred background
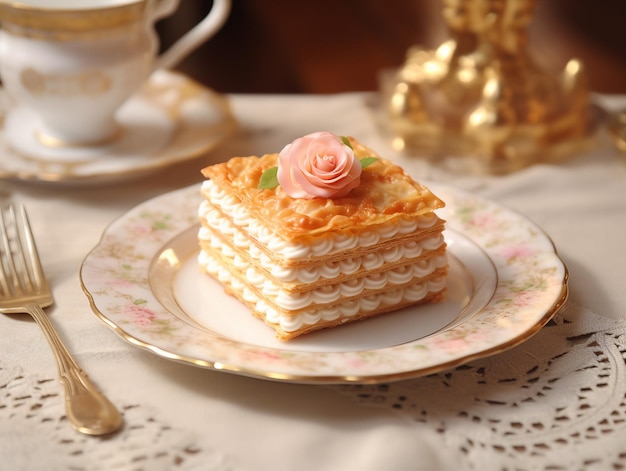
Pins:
x,y
331,46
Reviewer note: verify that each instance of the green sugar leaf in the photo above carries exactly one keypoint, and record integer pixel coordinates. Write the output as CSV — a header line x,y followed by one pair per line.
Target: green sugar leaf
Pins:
x,y
346,141
269,179
367,161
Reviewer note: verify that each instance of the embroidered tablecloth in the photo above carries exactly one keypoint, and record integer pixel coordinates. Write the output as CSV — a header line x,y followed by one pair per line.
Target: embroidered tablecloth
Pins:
x,y
555,402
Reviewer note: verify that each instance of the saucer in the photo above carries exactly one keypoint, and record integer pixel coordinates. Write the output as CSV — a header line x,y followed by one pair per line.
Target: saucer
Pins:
x,y
170,120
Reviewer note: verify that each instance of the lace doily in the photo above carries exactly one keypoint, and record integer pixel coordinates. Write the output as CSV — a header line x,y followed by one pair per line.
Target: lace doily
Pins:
x,y
556,402
50,444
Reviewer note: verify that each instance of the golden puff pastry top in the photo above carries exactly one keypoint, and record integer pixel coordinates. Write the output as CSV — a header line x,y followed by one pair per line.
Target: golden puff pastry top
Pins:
x,y
386,192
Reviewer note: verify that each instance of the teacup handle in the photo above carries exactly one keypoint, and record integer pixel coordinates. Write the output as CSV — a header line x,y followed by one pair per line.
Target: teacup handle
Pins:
x,y
192,38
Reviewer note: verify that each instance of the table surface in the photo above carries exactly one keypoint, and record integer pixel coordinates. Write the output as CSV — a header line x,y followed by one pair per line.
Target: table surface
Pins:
x,y
555,402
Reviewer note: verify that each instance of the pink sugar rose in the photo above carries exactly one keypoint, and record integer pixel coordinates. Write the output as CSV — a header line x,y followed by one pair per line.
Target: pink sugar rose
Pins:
x,y
318,165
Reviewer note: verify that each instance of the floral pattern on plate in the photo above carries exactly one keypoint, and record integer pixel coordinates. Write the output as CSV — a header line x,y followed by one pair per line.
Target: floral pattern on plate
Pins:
x,y
531,287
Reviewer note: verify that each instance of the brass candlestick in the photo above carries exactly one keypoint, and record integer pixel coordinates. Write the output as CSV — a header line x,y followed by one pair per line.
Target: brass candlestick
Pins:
x,y
479,100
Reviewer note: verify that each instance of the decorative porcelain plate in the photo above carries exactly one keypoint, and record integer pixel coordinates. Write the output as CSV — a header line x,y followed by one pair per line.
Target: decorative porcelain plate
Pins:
x,y
506,281
170,120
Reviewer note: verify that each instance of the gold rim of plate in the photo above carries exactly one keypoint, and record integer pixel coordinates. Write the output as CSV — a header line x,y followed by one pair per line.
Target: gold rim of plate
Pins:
x,y
406,356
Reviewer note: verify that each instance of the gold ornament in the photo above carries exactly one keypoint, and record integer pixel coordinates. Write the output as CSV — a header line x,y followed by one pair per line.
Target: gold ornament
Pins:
x,y
479,101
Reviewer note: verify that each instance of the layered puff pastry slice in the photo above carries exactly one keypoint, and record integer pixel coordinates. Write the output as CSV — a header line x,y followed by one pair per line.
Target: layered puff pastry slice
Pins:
x,y
307,263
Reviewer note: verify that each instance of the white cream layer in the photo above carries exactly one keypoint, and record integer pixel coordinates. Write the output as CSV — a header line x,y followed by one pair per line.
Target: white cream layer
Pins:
x,y
327,294
324,271
231,207
346,310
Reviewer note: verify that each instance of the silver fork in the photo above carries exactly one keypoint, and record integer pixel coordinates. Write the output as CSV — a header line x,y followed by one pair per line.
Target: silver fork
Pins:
x,y
24,289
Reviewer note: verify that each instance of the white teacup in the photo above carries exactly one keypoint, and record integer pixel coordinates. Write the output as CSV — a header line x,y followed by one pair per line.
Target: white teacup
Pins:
x,y
73,63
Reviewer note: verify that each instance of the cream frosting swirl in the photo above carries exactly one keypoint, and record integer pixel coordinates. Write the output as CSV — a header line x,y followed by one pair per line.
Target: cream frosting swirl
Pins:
x,y
332,293
226,204
329,270
294,321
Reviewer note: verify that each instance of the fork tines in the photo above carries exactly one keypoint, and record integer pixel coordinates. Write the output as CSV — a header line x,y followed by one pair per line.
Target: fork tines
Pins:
x,y
20,268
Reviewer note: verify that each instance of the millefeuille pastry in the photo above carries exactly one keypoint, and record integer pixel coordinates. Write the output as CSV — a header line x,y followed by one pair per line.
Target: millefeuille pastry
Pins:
x,y
324,233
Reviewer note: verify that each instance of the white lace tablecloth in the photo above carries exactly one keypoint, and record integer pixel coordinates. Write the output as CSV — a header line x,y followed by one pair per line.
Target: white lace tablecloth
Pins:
x,y
556,402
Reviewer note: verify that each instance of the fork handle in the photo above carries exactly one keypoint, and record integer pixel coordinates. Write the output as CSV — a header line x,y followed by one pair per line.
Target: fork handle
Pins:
x,y
88,410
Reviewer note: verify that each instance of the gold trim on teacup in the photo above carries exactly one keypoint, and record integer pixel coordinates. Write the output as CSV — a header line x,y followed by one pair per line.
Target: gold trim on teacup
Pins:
x,y
91,83
24,20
